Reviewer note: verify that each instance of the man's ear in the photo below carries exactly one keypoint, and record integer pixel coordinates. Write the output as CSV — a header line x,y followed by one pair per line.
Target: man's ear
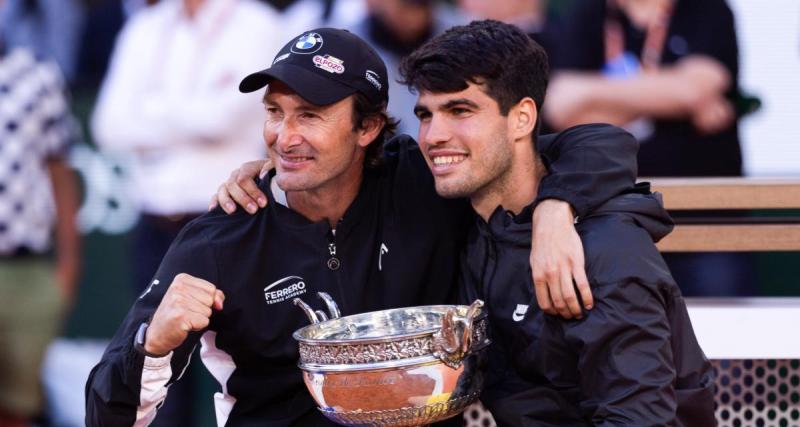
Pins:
x,y
522,119
369,129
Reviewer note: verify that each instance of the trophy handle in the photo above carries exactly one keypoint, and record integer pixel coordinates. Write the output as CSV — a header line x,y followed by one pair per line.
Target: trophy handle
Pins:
x,y
333,309
312,316
316,316
450,346
472,313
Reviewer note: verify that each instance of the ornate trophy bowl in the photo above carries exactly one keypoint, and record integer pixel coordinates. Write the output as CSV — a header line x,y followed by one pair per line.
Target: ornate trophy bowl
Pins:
x,y
400,367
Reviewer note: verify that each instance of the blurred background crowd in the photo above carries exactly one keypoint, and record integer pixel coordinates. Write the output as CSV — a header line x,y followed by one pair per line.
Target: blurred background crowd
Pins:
x,y
119,118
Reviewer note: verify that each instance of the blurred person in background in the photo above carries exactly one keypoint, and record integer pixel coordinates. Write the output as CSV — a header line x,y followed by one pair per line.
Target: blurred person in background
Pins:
x,y
531,16
49,28
38,200
168,99
395,28
299,15
102,22
667,70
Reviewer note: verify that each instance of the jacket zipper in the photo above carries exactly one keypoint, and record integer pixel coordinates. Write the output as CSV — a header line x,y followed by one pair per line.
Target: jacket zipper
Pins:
x,y
334,264
333,261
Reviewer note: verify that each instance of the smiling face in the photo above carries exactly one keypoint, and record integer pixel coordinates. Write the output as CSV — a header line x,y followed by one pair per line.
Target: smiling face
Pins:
x,y
314,148
465,140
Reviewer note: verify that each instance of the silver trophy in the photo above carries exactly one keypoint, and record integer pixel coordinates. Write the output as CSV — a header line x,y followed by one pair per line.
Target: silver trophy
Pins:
x,y
399,367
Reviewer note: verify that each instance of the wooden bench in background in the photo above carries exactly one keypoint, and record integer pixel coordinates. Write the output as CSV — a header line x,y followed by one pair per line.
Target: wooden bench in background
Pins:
x,y
741,234
737,328
753,342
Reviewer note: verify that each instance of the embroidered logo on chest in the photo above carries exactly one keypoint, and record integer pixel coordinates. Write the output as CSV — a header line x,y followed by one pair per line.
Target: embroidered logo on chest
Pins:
x,y
283,289
383,250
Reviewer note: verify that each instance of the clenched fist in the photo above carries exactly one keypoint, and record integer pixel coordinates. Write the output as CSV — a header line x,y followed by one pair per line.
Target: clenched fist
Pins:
x,y
186,307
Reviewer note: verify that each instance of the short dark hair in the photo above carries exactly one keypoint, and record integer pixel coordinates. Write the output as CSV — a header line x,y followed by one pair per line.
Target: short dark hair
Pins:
x,y
364,109
500,56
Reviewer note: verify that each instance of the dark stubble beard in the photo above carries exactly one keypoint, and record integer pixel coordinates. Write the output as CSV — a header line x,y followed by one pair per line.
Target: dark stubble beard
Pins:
x,y
490,177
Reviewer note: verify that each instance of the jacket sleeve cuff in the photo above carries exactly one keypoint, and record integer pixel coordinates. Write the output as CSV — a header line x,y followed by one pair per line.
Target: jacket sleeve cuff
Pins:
x,y
157,362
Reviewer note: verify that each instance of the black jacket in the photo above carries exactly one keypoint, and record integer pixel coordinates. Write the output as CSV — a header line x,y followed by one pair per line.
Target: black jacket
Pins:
x,y
632,360
398,243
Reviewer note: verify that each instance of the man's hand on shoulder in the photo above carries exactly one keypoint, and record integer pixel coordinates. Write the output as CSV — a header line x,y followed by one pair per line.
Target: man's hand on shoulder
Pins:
x,y
186,307
241,188
557,261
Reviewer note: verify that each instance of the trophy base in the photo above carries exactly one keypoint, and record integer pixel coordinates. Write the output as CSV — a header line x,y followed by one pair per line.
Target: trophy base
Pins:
x,y
403,417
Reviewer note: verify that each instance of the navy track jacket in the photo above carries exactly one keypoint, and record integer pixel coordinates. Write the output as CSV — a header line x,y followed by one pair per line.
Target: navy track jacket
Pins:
x,y
633,360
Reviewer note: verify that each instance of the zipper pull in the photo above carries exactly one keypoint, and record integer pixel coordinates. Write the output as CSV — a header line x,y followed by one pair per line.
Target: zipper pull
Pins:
x,y
333,261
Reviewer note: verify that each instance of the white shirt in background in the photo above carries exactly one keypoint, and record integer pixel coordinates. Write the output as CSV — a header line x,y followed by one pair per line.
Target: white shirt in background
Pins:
x,y
171,98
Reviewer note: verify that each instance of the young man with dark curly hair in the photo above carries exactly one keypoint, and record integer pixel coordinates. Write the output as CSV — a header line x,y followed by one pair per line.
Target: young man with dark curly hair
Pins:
x,y
633,360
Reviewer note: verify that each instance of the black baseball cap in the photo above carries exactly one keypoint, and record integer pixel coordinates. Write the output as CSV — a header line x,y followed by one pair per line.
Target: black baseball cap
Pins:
x,y
324,66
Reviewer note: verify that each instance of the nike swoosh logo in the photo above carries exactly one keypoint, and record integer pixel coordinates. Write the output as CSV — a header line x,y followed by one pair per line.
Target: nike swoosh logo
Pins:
x,y
519,313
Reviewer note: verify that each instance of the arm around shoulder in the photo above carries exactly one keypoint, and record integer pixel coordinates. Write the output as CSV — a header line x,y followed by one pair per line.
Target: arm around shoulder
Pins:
x,y
588,165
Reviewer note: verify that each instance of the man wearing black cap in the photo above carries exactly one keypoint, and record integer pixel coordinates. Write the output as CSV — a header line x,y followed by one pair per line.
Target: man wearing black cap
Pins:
x,y
357,68
366,228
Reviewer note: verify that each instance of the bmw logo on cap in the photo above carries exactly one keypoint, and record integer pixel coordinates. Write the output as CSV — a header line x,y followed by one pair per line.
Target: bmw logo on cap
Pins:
x,y
307,43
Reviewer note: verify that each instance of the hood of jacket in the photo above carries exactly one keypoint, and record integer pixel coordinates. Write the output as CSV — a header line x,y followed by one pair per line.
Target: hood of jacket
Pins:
x,y
640,204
